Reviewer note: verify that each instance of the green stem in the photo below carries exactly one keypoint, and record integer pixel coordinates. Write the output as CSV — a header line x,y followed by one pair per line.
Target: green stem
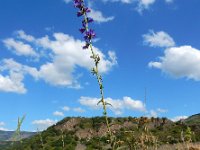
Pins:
x,y
99,79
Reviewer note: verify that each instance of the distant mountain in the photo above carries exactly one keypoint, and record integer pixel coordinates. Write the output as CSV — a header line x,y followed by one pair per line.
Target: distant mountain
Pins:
x,y
7,135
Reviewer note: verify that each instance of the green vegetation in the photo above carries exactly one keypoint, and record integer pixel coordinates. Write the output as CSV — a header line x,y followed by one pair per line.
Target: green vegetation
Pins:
x,y
130,133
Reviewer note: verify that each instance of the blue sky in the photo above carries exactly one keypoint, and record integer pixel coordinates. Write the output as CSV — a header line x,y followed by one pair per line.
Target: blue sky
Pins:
x,y
45,74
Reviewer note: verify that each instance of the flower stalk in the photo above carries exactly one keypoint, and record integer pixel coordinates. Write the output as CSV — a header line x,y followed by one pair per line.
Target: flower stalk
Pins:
x,y
89,34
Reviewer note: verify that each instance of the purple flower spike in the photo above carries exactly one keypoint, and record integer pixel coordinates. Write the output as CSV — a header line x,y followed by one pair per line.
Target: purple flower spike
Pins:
x,y
82,30
87,10
78,3
89,35
90,20
79,13
86,45
84,25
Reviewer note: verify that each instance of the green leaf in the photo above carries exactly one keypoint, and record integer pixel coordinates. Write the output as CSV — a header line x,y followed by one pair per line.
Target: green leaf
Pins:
x,y
100,101
108,104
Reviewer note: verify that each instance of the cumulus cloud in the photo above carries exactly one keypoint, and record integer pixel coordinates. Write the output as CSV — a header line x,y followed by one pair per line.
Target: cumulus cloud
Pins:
x,y
4,129
177,61
157,112
2,126
160,110
79,110
177,118
144,4
22,35
65,108
19,47
48,29
58,113
141,5
153,113
13,81
118,105
43,124
122,1
169,1
183,61
98,16
67,54
2,123
64,54
158,39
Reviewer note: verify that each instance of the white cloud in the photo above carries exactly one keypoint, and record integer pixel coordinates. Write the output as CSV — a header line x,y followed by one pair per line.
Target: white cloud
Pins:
x,y
117,105
158,39
122,1
2,123
64,54
169,1
144,4
48,29
177,118
183,61
19,47
156,113
43,124
58,113
13,81
89,102
2,126
79,110
134,104
67,54
153,113
4,129
141,4
22,35
160,110
65,108
98,16
178,61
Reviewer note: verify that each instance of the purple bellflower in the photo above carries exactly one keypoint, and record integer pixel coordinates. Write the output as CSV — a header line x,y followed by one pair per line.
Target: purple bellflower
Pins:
x,y
89,34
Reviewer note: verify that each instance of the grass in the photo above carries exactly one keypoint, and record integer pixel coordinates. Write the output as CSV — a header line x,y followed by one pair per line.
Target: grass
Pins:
x,y
180,146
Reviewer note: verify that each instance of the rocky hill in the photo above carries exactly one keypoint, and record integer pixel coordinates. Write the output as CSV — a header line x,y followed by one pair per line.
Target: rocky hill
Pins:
x,y
90,133
193,120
